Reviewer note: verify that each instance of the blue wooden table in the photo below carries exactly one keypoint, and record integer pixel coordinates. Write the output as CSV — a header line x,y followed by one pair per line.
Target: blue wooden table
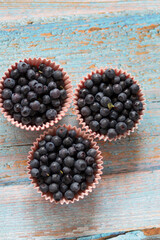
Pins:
x,y
82,36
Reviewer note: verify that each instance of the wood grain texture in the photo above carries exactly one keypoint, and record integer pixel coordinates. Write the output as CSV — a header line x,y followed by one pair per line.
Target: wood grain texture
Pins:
x,y
82,37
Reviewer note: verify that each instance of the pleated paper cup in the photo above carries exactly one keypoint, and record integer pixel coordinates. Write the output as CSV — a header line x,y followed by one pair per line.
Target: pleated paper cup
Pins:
x,y
98,160
65,106
83,123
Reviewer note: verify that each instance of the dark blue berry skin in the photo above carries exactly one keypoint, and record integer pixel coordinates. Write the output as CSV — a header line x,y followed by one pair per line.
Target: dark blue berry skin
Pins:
x,y
118,107
75,187
116,80
31,96
67,142
56,140
32,84
89,171
79,147
61,132
55,167
69,195
56,103
125,112
38,121
102,86
128,104
122,77
25,112
66,170
121,127
57,75
58,196
42,108
63,94
130,123
83,186
63,187
17,117
83,92
46,99
122,118
22,81
81,155
98,117
26,120
36,155
92,152
127,92
38,88
81,102
63,153
17,107
43,187
88,119
41,79
44,171
6,93
79,140
94,90
85,111
134,116
9,83
113,115
35,172
77,178
104,101
138,106
86,143
47,71
133,98
48,138
25,89
53,187
122,97
41,66
88,84
80,165
50,146
103,131
34,163
94,125
110,73
134,88
55,93
96,78
22,67
52,156
122,84
42,143
95,107
117,88
112,124
51,114
108,91
128,82
15,74
56,178
99,96
42,151
52,85
89,99
105,79
104,123
16,97
17,89
67,179
35,105
72,133
72,151
31,74
104,112
44,159
111,133
69,161
48,180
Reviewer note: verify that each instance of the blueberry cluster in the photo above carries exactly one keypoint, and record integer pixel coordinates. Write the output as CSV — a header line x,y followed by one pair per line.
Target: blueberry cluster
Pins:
x,y
64,164
34,95
109,103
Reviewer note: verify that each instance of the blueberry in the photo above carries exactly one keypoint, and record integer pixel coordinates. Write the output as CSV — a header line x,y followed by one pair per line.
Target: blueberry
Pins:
x,y
22,81
104,112
67,179
15,74
69,195
134,88
117,88
41,79
42,108
138,105
125,112
63,94
121,127
63,153
75,187
80,165
122,84
112,123
48,180
42,151
48,138
17,89
102,86
90,179
83,92
44,170
98,117
89,171
22,67
127,92
58,196
86,143
110,73
43,187
34,163
41,66
113,115
52,85
116,80
38,88
72,151
85,111
50,146
111,133
79,147
55,178
99,96
122,97
130,123
31,74
81,155
53,187
89,99
108,91
17,117
81,102
17,107
32,84
128,104
72,133
92,152
38,121
128,82
6,93
83,186
58,75
61,132
104,101
104,123
35,105
69,161
94,90
46,99
96,78
44,159
47,71
35,172
9,83
26,120
25,89
51,114
78,178
88,119
55,167
67,142
66,170
133,98
118,107
52,156
88,84
122,118
56,103
63,187
94,125
79,140
55,93
31,96
57,141
25,111
122,76
16,97
36,155
103,131
133,116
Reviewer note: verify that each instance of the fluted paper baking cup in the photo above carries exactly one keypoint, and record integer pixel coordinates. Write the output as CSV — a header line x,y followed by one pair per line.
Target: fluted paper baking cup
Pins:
x,y
66,104
83,123
90,187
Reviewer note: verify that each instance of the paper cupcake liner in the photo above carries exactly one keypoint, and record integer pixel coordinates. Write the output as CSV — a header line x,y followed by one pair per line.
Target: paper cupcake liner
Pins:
x,y
66,103
81,120
90,187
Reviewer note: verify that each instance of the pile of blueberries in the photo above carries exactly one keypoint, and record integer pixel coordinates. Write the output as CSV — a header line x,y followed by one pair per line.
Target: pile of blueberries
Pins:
x,y
34,95
110,104
64,164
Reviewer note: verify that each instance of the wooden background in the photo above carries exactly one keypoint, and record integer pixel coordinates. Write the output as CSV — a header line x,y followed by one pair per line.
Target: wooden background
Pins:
x,y
81,36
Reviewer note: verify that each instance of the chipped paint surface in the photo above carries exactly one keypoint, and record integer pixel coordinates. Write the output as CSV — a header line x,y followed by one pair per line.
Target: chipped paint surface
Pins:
x,y
85,36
